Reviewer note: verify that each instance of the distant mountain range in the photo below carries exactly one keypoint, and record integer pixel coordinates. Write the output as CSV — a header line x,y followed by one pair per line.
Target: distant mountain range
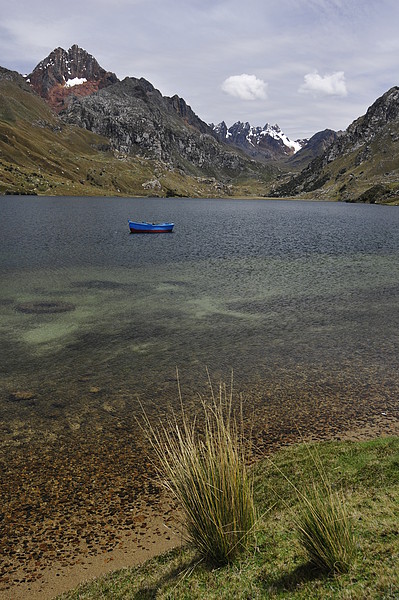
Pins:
x,y
266,143
71,127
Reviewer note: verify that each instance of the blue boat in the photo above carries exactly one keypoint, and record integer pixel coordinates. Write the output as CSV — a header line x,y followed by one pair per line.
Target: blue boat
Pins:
x,y
142,227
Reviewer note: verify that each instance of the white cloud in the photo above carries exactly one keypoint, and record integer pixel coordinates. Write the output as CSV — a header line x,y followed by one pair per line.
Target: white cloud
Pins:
x,y
246,87
329,85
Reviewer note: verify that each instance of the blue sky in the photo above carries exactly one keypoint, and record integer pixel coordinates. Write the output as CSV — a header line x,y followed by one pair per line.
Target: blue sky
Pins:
x,y
303,64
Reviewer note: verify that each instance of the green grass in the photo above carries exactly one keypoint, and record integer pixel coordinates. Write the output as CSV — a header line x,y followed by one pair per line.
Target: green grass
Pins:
x,y
368,475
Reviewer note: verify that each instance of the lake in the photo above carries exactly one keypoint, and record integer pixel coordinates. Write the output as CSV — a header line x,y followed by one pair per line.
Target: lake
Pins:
x,y
298,299
264,288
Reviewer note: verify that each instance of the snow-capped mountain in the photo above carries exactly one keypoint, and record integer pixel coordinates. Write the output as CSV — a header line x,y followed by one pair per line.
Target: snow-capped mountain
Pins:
x,y
267,142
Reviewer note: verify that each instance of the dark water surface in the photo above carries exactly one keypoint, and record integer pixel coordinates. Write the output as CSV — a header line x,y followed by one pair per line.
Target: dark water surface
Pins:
x,y
300,299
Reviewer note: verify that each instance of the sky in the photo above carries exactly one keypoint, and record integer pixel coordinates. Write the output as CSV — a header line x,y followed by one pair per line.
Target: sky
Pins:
x,y
305,65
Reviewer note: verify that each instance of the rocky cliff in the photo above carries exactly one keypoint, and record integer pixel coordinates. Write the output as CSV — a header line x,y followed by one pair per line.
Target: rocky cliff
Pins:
x,y
180,106
382,114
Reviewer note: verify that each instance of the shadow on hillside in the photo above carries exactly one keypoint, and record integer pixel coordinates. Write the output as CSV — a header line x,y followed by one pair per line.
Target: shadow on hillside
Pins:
x,y
289,581
174,575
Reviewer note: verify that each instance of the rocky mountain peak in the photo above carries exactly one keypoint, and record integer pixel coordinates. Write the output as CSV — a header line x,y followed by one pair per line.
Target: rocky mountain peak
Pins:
x,y
363,130
66,73
220,131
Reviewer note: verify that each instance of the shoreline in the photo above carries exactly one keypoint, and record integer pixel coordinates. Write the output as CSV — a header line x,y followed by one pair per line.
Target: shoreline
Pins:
x,y
158,536
157,533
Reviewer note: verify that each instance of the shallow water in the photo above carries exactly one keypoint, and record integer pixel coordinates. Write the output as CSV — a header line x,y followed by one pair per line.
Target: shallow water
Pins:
x,y
258,287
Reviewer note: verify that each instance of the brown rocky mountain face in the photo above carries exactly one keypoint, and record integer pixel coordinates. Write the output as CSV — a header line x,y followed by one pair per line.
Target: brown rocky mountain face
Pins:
x,y
53,76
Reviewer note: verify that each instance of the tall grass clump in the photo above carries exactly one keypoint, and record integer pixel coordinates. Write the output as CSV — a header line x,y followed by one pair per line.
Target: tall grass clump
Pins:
x,y
323,525
202,463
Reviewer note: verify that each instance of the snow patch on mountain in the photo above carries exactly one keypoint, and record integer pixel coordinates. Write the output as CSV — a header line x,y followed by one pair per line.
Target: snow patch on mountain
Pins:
x,y
75,81
275,132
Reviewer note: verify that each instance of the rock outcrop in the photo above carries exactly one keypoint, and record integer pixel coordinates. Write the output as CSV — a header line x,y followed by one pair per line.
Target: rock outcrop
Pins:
x,y
14,77
188,115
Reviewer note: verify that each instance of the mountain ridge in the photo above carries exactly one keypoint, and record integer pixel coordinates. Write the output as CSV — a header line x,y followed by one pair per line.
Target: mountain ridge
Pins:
x,y
41,153
130,127
67,74
361,164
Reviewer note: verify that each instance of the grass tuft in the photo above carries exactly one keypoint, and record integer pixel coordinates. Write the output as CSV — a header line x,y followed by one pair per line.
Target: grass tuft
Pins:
x,y
323,524
207,475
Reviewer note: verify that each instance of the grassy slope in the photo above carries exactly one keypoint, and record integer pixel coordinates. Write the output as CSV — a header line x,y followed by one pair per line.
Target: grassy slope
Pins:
x,y
368,472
